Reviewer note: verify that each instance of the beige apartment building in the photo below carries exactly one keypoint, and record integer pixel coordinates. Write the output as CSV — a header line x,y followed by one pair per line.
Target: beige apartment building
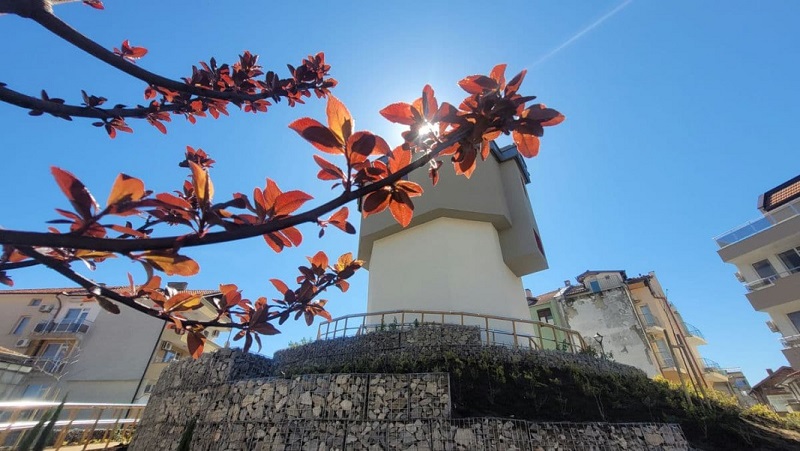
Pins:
x,y
71,346
766,253
631,320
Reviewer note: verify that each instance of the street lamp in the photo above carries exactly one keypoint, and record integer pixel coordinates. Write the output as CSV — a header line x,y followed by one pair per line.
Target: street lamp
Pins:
x,y
599,339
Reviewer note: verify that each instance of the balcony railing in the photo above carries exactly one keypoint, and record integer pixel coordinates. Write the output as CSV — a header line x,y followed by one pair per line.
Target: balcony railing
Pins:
x,y
792,341
79,424
769,281
710,366
495,330
666,360
693,331
650,321
757,225
62,327
46,365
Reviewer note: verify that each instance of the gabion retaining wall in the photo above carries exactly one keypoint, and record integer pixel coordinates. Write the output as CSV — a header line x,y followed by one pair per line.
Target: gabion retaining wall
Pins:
x,y
237,403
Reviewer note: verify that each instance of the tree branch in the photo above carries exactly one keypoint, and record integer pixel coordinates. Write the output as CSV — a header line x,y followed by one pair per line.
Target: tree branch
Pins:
x,y
95,288
63,30
19,238
60,109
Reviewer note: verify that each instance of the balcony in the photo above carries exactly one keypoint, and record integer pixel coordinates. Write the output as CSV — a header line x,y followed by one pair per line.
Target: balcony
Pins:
x,y
693,335
48,365
62,329
750,228
651,323
713,372
775,290
791,350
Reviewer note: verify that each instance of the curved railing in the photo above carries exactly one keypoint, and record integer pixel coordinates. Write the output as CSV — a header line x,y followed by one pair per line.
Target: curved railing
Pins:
x,y
693,331
495,330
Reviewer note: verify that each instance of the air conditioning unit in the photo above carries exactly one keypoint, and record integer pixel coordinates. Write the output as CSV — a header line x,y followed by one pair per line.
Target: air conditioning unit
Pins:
x,y
772,326
22,343
46,308
167,346
739,277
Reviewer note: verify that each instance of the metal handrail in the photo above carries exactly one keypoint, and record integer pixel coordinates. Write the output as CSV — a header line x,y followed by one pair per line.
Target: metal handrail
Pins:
x,y
59,327
512,334
693,331
114,421
712,366
755,226
769,281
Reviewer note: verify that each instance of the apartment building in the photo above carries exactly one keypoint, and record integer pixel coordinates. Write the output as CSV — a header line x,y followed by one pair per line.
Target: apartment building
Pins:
x,y
60,342
630,320
766,253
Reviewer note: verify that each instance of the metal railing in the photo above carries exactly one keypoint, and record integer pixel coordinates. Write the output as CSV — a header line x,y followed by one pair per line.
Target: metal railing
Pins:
x,y
750,228
769,281
693,331
665,359
791,341
62,327
710,366
48,365
79,423
650,321
495,330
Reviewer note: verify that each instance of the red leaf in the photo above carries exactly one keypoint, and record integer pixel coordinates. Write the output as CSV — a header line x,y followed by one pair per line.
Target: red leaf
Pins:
x,y
279,285
318,135
399,113
376,202
170,263
527,145
203,188
96,4
293,235
399,159
319,259
126,189
401,208
429,105
329,171
196,342
498,75
363,144
515,82
477,84
290,201
339,120
76,192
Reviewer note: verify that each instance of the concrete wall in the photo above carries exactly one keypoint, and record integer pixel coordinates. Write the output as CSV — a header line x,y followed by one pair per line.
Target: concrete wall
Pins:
x,y
610,313
448,265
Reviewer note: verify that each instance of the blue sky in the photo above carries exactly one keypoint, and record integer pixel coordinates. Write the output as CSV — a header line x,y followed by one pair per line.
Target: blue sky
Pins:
x,y
678,115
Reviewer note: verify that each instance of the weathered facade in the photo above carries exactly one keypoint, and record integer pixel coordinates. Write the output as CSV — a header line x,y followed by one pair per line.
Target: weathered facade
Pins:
x,y
631,321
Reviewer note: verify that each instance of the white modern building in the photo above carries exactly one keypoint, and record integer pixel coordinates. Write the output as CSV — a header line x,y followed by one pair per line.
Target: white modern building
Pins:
x,y
466,249
766,253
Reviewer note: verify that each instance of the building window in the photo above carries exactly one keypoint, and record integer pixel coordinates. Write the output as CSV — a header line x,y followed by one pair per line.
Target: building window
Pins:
x,y
21,324
35,391
791,260
794,317
35,302
765,270
168,356
647,316
546,316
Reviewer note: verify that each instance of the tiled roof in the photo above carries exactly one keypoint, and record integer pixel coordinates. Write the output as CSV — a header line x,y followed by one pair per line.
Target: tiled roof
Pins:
x,y
541,298
780,195
775,378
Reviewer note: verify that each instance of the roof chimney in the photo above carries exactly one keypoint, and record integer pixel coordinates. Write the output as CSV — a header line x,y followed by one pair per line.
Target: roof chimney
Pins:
x,y
769,371
528,293
567,283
